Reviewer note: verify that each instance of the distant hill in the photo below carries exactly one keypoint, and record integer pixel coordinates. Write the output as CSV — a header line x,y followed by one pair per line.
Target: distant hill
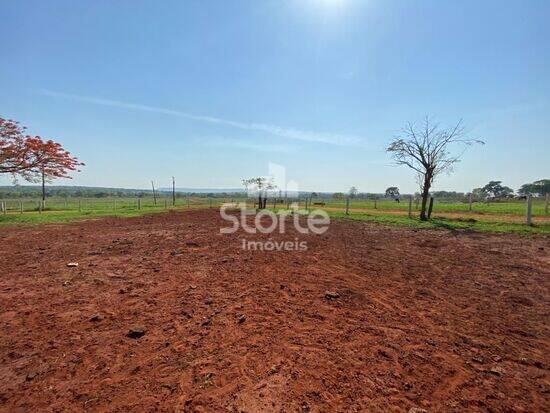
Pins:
x,y
35,191
204,190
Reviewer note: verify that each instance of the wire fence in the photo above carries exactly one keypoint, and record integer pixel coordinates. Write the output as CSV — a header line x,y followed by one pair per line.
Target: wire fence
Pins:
x,y
529,210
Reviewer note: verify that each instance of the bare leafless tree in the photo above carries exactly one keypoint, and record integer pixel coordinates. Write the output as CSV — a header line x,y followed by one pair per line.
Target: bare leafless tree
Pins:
x,y
427,149
262,185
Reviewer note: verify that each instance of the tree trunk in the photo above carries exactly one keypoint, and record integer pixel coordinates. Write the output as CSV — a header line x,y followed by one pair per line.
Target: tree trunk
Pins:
x,y
431,207
260,201
43,186
425,195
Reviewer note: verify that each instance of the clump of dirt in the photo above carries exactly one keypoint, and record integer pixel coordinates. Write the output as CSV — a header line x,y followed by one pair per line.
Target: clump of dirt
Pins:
x,y
165,313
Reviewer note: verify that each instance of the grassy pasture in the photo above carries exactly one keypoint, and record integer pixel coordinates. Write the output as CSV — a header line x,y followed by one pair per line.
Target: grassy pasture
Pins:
x,y
488,217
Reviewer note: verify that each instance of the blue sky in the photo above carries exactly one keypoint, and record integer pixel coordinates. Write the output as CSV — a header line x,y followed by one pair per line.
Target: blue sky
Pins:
x,y
212,91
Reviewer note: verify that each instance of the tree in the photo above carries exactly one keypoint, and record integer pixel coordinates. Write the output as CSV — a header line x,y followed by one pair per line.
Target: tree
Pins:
x,y
495,189
392,192
50,160
353,191
15,147
479,194
427,151
338,195
540,188
261,185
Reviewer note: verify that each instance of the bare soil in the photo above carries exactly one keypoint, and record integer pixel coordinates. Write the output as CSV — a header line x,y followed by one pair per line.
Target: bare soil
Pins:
x,y
164,313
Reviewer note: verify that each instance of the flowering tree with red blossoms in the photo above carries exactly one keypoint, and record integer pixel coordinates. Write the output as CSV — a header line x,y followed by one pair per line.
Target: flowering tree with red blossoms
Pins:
x,y
14,147
31,157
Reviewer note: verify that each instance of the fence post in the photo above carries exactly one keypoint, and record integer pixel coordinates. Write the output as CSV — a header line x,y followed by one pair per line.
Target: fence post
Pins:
x,y
210,203
529,207
21,207
546,204
470,202
139,203
188,204
114,204
39,207
431,207
347,205
375,199
410,206
165,203
79,206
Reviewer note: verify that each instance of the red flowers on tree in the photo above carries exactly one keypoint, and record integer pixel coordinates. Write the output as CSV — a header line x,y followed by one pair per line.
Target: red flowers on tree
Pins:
x,y
14,151
31,157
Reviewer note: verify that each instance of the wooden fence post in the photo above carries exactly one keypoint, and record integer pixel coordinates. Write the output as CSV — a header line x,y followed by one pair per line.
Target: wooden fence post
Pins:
x,y
375,206
347,205
410,206
546,204
528,217
165,203
431,207
470,201
188,203
79,205
20,207
139,203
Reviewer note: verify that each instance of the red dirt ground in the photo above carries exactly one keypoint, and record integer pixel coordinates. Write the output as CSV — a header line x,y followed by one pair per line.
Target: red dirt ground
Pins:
x,y
434,320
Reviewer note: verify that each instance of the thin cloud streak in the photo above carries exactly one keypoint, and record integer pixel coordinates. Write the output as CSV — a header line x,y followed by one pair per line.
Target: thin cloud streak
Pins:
x,y
289,133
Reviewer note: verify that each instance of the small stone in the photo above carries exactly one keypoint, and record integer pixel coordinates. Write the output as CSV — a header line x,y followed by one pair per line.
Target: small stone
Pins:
x,y
72,264
417,410
30,376
241,319
208,301
206,322
96,318
497,371
192,286
331,295
176,252
136,332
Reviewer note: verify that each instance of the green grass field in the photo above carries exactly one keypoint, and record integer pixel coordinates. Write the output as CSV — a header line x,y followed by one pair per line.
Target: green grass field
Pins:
x,y
493,217
513,207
